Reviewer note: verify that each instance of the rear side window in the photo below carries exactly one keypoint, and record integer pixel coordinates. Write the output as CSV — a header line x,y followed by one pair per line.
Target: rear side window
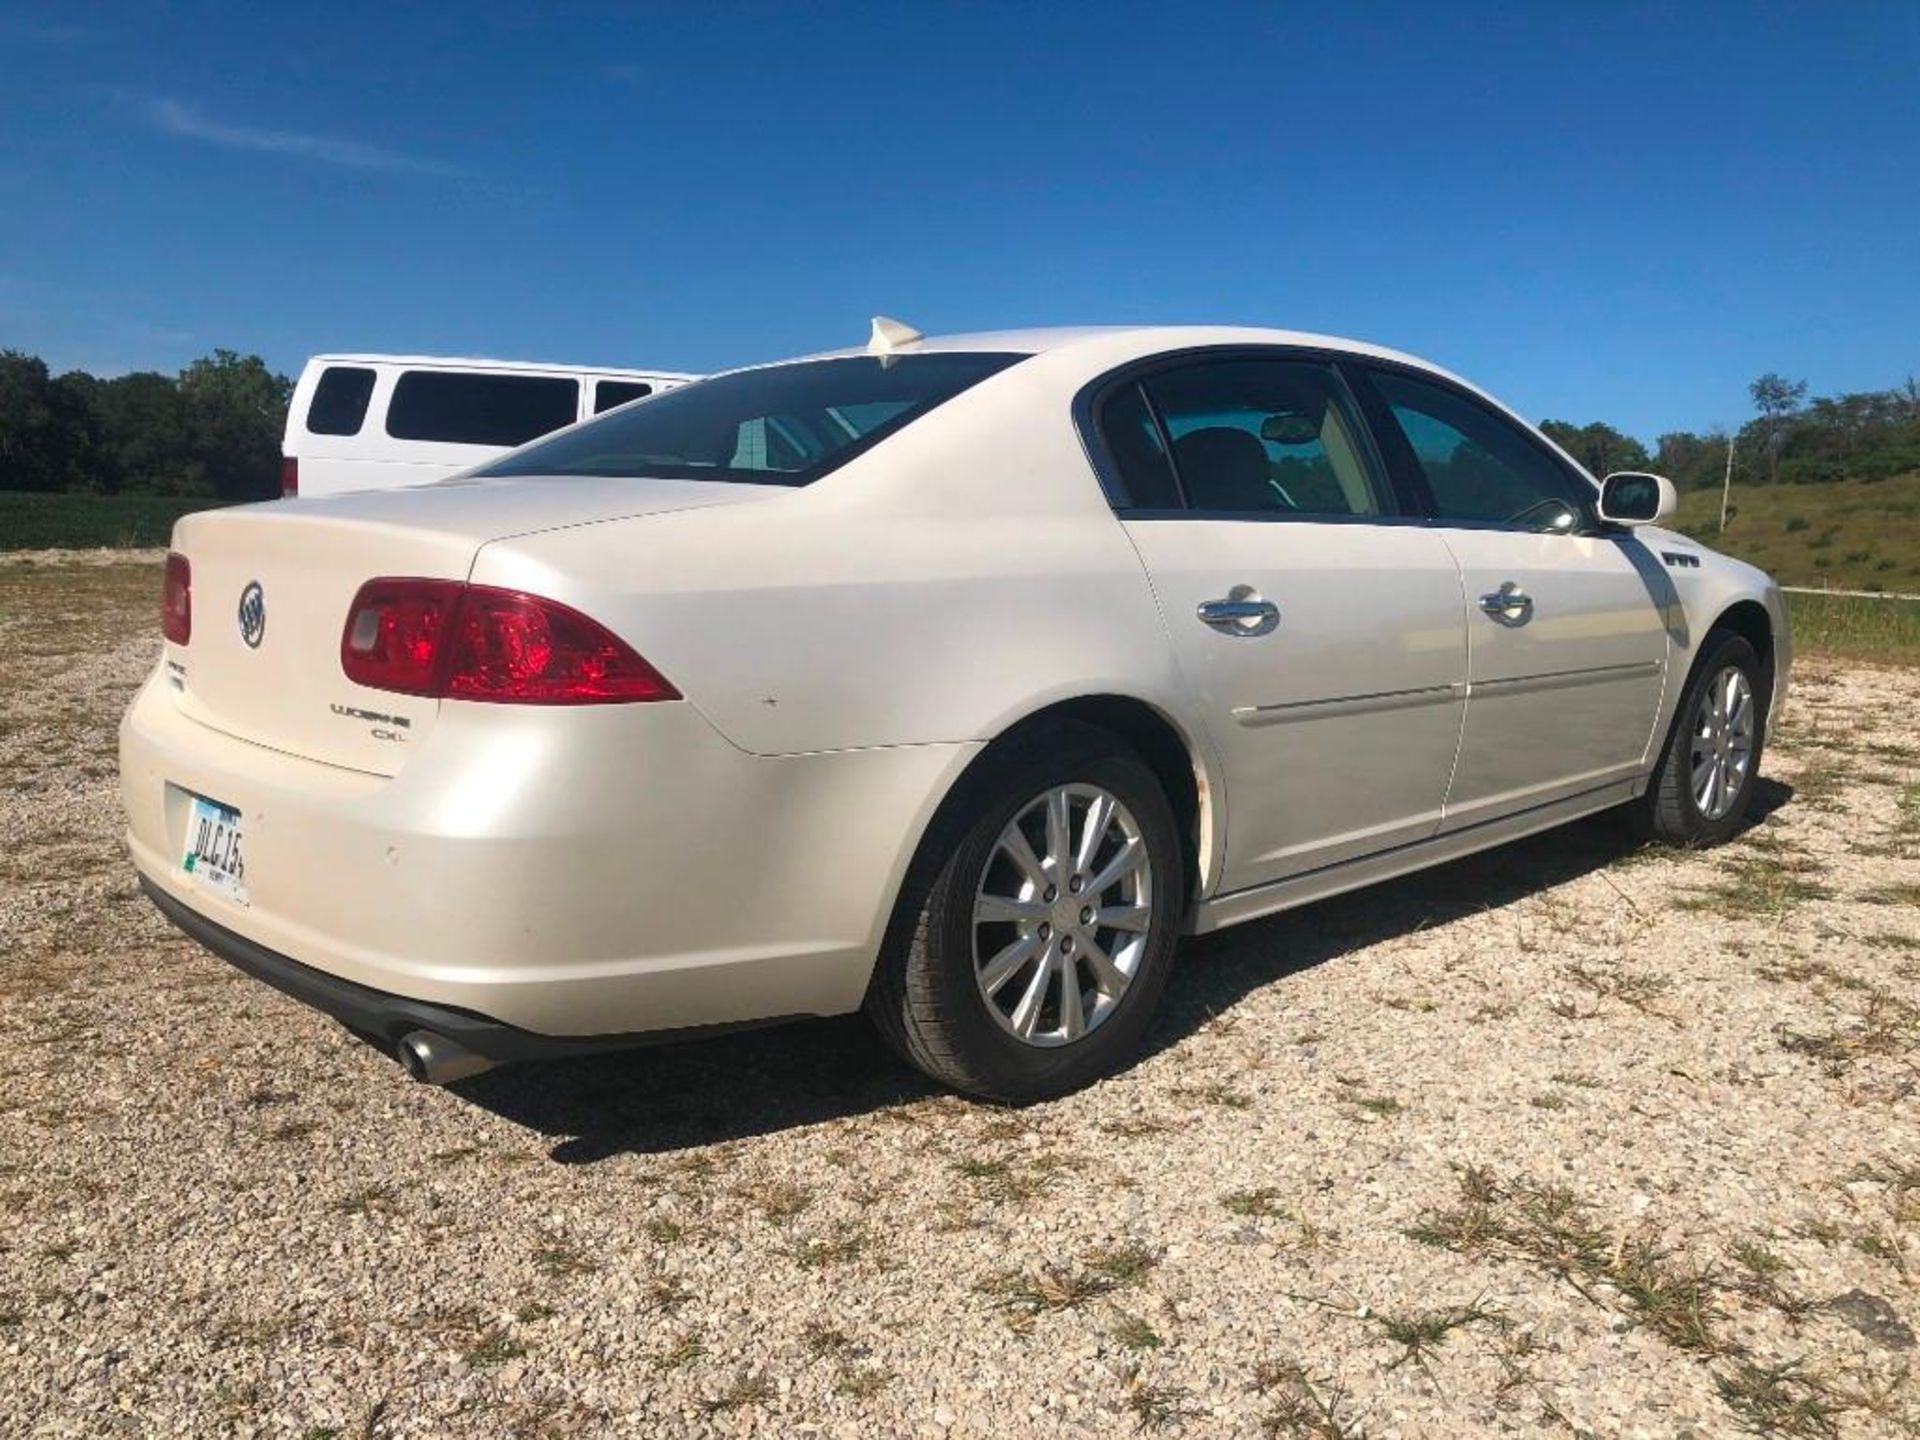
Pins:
x,y
1480,467
468,409
610,393
1133,439
339,404
778,425
1255,437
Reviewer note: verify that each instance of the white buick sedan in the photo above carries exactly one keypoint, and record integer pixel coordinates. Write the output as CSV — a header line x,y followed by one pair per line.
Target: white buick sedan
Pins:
x,y
952,678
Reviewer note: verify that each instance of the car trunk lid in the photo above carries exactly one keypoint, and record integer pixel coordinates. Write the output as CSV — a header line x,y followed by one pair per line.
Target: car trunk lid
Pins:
x,y
272,584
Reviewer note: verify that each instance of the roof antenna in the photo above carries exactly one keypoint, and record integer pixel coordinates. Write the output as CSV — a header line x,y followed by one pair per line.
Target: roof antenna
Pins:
x,y
889,335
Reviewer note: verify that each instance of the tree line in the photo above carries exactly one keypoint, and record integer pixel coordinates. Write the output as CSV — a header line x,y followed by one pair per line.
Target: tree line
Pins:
x,y
1791,440
210,432
213,431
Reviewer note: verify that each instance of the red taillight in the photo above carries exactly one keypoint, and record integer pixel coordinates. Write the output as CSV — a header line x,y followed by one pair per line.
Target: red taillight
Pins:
x,y
289,477
176,600
448,640
395,634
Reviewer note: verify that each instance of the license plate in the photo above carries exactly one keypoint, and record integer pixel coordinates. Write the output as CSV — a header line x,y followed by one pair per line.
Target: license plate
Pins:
x,y
214,849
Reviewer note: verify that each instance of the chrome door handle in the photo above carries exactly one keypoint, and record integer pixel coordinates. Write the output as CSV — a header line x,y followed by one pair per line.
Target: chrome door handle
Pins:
x,y
1509,602
1242,613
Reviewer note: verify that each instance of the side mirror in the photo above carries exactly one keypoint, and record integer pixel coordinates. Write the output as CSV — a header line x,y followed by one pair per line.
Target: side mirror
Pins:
x,y
1632,497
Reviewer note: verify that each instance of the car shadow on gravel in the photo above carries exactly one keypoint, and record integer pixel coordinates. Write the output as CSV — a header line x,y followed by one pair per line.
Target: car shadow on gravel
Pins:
x,y
681,1096
1219,969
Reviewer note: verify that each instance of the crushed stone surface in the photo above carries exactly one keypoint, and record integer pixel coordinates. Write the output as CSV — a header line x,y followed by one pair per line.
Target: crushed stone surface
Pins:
x,y
1569,1138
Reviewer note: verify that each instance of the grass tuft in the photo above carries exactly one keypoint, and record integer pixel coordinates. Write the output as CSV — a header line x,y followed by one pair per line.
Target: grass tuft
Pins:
x,y
1155,1405
1305,1408
1136,1334
749,1387
686,1347
1780,1399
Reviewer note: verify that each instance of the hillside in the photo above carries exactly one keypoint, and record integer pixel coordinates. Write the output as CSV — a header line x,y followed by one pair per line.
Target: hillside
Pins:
x,y
1849,535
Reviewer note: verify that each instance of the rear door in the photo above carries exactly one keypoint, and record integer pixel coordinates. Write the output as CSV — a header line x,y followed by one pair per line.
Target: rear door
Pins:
x,y
1319,629
1567,647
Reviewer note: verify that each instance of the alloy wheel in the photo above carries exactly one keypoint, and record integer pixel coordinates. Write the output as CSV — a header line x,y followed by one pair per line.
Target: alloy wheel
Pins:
x,y
1722,753
1061,915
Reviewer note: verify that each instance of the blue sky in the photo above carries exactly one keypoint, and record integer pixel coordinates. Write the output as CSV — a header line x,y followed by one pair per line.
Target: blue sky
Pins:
x,y
1597,211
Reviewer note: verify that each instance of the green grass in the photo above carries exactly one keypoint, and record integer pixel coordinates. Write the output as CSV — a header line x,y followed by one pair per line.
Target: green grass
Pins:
x,y
30,520
1887,631
1851,535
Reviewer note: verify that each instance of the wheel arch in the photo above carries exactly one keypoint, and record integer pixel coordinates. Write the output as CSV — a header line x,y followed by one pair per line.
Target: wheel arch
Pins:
x,y
1751,621
1165,746
1167,751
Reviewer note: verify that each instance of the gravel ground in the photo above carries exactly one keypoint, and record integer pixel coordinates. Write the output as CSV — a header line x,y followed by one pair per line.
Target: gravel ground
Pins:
x,y
1567,1138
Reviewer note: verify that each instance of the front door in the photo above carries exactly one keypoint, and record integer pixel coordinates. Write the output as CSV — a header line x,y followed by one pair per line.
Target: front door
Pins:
x,y
1567,642
1320,630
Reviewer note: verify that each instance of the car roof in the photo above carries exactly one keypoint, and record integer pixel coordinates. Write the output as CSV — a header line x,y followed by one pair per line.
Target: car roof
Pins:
x,y
473,362
1116,344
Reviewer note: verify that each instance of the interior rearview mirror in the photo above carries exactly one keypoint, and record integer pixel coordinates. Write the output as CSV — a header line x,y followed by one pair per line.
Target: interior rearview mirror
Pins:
x,y
1292,428
1633,497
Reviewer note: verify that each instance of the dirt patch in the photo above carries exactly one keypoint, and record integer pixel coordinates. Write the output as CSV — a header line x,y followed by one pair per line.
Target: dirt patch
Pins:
x,y
1568,1138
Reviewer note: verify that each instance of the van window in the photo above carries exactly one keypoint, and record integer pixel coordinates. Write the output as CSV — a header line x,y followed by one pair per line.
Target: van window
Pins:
x,y
340,400
458,408
609,393
776,425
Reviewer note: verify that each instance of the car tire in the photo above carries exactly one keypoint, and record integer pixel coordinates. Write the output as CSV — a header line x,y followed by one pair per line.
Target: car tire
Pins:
x,y
1674,810
930,992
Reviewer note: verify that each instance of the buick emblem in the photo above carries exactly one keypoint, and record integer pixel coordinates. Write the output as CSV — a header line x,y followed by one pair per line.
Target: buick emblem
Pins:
x,y
253,614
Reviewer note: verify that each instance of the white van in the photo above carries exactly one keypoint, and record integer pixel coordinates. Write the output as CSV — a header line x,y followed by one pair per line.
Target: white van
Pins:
x,y
365,422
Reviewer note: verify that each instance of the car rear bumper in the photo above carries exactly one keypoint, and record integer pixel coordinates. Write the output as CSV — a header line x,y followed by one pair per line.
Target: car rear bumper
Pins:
x,y
576,874
375,1013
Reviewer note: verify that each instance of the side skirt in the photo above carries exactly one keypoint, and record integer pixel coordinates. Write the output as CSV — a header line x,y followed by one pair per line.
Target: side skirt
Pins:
x,y
1223,910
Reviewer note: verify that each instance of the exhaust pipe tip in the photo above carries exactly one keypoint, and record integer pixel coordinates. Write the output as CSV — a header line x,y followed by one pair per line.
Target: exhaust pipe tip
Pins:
x,y
435,1060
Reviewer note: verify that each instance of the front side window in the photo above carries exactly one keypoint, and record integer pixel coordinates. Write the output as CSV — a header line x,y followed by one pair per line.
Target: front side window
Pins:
x,y
1265,436
1480,467
339,405
778,425
464,408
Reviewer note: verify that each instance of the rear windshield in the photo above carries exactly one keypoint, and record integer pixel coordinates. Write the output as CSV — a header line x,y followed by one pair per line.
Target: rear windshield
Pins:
x,y
781,425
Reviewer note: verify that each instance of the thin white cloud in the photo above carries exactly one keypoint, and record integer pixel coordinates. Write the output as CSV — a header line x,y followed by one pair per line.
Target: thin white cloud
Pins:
x,y
183,120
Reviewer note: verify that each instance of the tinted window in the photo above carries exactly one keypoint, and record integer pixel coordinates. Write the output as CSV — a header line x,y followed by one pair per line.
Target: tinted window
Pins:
x,y
609,393
466,409
779,425
340,400
1479,466
1133,439
1265,435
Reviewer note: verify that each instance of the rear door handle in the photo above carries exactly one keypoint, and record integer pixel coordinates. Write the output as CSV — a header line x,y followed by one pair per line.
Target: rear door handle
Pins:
x,y
1509,602
1242,613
